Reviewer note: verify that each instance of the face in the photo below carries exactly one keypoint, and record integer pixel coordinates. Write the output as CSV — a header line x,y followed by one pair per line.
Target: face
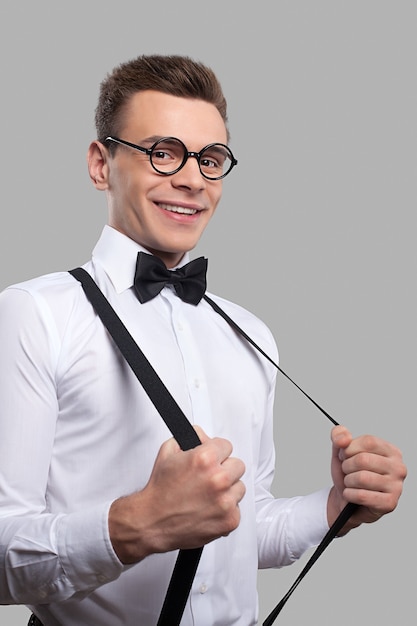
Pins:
x,y
165,214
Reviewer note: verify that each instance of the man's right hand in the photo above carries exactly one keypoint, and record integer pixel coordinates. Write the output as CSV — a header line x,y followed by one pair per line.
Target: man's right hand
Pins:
x,y
192,498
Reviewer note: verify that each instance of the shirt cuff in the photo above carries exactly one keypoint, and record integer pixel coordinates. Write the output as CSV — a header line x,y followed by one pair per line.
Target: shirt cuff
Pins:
x,y
308,521
87,555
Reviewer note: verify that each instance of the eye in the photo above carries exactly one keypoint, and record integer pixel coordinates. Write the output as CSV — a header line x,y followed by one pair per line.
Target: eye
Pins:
x,y
162,155
209,162
168,153
214,160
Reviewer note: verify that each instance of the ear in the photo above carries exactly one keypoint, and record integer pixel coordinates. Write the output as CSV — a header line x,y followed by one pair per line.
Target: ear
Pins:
x,y
98,167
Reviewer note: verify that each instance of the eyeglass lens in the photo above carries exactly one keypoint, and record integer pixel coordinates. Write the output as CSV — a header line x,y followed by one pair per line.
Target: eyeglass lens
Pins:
x,y
169,155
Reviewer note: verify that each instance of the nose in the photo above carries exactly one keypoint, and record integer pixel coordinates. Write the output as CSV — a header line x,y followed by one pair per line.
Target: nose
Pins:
x,y
189,175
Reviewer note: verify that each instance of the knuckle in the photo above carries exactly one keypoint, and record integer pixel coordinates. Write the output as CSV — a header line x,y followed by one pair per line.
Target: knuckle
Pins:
x,y
364,459
221,442
231,517
358,462
391,505
205,457
220,482
368,442
403,471
361,497
241,466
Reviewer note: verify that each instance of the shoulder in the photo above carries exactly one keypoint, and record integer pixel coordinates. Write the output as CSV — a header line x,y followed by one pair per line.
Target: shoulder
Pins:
x,y
50,297
48,287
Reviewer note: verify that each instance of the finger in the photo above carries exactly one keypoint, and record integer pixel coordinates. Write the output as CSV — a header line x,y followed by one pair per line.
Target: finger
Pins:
x,y
373,504
241,490
372,445
365,462
235,468
201,434
213,451
223,446
170,446
369,481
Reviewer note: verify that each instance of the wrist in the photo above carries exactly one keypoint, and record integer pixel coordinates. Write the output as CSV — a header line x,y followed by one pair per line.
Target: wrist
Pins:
x,y
127,529
335,505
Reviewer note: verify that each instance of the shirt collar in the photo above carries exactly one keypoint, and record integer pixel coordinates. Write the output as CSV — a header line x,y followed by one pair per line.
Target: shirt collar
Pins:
x,y
117,254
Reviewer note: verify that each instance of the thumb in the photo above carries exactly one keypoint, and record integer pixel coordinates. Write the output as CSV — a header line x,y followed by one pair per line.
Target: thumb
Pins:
x,y
341,438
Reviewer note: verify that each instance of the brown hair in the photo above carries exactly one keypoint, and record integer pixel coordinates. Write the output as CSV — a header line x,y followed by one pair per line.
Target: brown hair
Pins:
x,y
176,75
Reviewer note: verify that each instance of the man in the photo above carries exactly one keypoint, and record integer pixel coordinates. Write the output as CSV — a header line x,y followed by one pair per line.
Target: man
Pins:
x,y
96,496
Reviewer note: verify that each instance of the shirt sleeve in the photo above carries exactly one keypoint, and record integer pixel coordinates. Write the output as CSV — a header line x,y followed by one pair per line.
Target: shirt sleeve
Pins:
x,y
286,527
44,556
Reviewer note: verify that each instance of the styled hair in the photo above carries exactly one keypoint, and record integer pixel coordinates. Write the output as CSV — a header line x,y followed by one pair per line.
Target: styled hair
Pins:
x,y
174,74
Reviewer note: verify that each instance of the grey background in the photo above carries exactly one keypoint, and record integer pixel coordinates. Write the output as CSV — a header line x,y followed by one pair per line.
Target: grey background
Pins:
x,y
322,107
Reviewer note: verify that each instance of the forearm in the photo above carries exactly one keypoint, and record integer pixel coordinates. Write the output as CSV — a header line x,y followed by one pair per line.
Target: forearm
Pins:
x,y
335,505
287,527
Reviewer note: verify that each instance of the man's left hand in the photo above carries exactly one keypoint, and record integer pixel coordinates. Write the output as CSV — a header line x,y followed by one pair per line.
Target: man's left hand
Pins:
x,y
367,471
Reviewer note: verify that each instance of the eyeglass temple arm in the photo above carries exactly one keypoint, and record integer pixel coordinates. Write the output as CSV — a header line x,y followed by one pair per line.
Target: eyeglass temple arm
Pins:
x,y
122,142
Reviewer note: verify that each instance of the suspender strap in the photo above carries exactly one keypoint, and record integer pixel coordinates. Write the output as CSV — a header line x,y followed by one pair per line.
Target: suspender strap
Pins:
x,y
233,324
187,560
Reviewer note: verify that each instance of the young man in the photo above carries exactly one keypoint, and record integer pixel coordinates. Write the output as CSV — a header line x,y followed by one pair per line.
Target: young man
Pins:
x,y
96,496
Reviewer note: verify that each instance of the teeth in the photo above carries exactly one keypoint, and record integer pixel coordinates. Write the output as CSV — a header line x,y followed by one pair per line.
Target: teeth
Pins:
x,y
178,209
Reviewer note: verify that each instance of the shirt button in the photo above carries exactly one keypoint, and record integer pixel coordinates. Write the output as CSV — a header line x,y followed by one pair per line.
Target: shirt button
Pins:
x,y
196,383
203,588
101,578
180,326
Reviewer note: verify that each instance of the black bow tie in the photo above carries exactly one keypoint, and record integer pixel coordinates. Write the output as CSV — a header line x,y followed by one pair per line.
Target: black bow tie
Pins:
x,y
152,275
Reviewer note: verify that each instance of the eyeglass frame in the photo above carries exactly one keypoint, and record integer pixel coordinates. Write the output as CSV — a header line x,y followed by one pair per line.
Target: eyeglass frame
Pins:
x,y
187,154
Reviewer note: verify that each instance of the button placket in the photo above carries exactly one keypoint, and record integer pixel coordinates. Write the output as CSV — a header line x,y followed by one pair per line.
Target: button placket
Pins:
x,y
192,361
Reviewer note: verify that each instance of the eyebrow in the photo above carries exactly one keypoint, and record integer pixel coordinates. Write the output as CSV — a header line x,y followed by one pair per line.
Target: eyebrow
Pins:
x,y
219,149
152,139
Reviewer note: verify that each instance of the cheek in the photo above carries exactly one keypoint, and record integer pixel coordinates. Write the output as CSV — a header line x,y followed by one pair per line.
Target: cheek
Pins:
x,y
215,195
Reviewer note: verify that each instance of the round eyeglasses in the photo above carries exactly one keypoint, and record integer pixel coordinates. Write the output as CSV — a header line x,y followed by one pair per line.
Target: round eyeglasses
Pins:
x,y
168,155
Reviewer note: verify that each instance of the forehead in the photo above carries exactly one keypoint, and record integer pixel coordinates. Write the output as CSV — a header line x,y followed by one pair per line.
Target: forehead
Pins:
x,y
153,113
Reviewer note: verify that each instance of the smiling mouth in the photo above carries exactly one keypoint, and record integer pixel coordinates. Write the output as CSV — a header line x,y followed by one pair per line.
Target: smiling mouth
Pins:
x,y
177,209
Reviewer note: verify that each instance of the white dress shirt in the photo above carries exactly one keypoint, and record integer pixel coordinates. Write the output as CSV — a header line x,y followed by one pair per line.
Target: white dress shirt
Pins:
x,y
77,431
